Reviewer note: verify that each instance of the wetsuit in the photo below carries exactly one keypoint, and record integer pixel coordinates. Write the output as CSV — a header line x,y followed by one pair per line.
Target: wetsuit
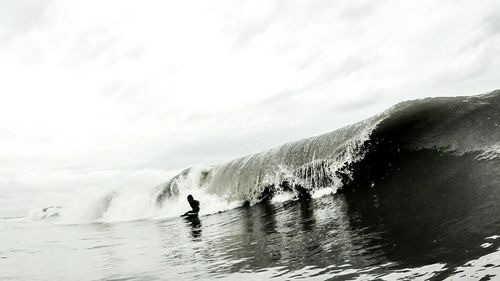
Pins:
x,y
195,205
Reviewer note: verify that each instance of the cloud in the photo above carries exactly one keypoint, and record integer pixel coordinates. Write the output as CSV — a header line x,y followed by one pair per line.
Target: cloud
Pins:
x,y
492,23
21,16
104,89
358,10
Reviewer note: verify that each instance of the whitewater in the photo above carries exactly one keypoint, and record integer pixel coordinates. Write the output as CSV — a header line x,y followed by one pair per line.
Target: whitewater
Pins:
x,y
412,192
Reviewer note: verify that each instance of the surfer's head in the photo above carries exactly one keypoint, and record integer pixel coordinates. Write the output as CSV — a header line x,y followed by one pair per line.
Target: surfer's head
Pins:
x,y
190,198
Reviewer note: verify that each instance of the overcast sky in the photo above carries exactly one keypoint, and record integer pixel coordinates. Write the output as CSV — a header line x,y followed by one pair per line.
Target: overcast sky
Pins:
x,y
100,94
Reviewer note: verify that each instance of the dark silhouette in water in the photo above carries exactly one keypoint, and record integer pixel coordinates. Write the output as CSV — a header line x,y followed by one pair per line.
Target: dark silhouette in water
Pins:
x,y
195,206
301,193
195,224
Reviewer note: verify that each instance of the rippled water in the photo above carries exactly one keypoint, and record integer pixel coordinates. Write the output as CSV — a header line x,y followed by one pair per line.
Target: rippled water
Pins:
x,y
321,239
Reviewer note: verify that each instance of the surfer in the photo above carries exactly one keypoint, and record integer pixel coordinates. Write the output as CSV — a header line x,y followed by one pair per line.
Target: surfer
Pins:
x,y
195,206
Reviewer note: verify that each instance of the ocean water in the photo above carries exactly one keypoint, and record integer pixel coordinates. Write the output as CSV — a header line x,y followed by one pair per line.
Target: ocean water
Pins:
x,y
410,194
331,237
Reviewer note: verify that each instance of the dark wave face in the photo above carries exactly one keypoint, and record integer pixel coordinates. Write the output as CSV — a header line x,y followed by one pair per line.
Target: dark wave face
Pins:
x,y
458,126
431,207
423,188
358,155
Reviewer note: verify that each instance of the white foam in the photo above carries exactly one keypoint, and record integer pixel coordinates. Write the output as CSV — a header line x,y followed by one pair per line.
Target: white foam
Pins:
x,y
490,152
128,204
283,197
43,213
324,192
134,203
486,245
479,268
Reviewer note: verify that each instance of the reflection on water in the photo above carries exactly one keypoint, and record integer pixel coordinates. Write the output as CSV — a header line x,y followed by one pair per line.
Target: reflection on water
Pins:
x,y
195,224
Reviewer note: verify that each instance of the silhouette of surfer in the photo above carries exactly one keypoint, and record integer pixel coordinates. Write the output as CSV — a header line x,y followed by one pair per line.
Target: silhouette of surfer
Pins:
x,y
195,206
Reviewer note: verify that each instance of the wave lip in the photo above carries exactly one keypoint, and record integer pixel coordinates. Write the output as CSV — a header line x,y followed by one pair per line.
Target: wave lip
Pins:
x,y
448,124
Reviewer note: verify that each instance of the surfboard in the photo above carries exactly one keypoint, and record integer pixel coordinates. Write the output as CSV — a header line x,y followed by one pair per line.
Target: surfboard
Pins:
x,y
190,215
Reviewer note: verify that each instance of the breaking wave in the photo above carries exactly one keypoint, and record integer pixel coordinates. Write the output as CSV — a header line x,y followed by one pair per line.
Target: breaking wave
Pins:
x,y
352,158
